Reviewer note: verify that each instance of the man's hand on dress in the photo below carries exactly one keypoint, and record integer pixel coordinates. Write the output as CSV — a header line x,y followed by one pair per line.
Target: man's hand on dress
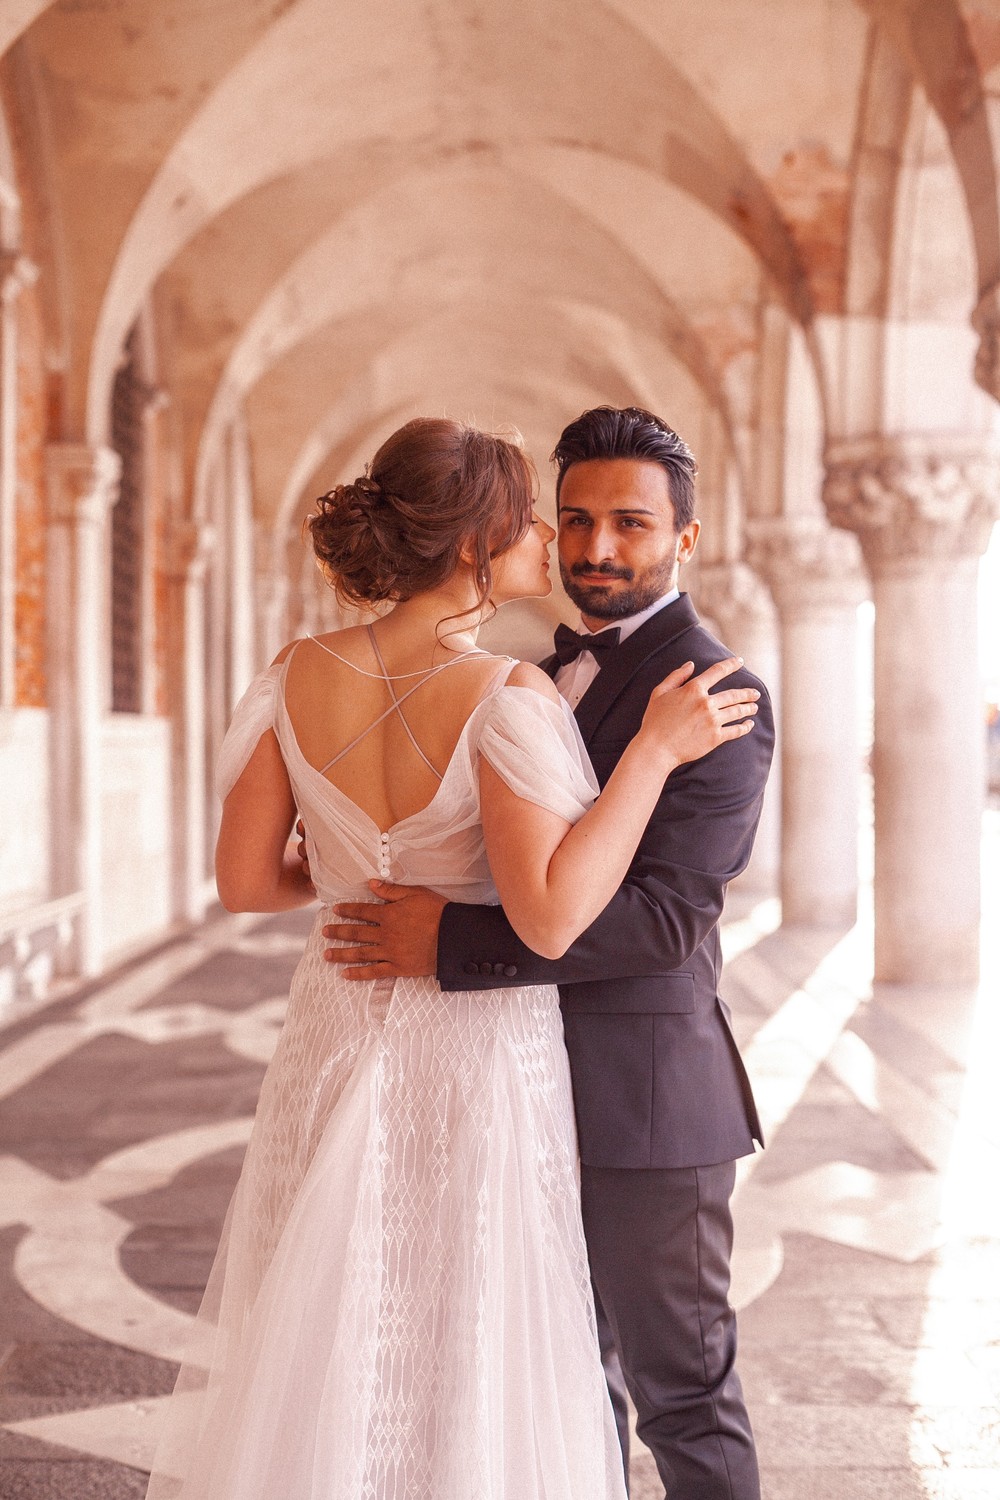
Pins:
x,y
392,941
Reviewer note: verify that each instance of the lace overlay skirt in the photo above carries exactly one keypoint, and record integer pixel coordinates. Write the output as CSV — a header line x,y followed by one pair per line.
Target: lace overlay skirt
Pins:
x,y
400,1308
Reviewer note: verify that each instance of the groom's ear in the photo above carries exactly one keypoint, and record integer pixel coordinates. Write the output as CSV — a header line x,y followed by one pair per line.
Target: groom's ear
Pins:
x,y
687,541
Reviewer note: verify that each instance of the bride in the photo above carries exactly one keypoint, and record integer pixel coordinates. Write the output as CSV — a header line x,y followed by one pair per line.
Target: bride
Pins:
x,y
400,1308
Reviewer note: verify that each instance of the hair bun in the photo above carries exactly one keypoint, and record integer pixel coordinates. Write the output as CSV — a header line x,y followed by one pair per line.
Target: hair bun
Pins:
x,y
366,489
434,487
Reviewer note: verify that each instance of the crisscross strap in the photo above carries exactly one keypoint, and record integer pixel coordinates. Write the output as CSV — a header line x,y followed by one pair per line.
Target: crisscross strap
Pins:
x,y
383,676
395,707
395,700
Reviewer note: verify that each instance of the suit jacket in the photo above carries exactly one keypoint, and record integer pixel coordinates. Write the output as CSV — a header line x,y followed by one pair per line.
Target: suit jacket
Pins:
x,y
657,1078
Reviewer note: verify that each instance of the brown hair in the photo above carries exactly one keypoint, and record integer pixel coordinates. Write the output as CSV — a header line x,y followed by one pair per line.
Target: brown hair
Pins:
x,y
631,432
434,487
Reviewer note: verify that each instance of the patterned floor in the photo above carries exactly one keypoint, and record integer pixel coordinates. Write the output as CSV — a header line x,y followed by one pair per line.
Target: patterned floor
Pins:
x,y
868,1257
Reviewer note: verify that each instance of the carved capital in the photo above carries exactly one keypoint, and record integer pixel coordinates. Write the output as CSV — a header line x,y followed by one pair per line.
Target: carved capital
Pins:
x,y
82,482
986,322
189,549
735,596
807,564
914,501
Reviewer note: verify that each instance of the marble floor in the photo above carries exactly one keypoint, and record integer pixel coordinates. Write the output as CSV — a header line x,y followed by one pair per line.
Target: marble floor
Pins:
x,y
867,1266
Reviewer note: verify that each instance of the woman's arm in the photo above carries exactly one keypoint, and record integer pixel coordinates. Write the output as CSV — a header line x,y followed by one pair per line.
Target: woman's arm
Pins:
x,y
255,869
555,878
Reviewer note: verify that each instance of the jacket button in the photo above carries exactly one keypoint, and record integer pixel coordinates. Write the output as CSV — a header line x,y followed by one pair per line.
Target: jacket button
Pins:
x,y
510,971
486,968
499,969
471,967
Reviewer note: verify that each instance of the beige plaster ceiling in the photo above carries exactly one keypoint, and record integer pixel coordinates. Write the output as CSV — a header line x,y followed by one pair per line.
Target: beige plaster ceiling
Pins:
x,y
341,214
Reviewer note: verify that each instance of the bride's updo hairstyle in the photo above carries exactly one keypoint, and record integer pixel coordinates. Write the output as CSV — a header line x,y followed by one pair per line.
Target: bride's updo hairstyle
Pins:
x,y
434,488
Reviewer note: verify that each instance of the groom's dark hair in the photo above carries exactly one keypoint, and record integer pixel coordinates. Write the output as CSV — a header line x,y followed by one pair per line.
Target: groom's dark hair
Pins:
x,y
630,432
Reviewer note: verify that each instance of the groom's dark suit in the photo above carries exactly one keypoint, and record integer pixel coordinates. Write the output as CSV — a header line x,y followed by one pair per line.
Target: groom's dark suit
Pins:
x,y
658,1083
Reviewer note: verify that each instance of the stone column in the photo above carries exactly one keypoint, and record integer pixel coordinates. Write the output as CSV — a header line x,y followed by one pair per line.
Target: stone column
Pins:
x,y
156,403
923,509
271,596
185,565
240,563
310,611
16,273
82,487
986,322
742,610
816,580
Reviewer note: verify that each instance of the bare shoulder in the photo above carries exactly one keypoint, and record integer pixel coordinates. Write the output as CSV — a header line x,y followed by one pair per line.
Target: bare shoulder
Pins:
x,y
332,641
527,675
284,653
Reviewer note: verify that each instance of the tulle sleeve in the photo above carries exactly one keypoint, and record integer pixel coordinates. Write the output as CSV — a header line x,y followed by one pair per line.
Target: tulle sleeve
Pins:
x,y
253,716
534,745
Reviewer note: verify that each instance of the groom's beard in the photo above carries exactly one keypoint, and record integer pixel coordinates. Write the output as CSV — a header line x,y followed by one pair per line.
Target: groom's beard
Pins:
x,y
583,585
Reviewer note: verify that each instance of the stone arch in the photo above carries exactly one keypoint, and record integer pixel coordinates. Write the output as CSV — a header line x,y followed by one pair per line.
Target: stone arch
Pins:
x,y
686,143
883,113
390,241
950,59
937,38
555,185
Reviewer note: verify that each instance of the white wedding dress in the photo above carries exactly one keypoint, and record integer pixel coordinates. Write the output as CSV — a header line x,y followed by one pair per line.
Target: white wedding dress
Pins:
x,y
400,1308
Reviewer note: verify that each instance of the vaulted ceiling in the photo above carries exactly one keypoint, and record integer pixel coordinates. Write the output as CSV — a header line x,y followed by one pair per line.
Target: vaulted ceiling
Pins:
x,y
345,214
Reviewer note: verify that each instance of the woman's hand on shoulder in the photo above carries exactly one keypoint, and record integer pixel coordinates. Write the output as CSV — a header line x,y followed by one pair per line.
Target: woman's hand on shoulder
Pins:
x,y
526,675
686,720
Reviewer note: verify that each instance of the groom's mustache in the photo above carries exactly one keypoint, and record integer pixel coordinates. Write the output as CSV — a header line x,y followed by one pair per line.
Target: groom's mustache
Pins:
x,y
602,570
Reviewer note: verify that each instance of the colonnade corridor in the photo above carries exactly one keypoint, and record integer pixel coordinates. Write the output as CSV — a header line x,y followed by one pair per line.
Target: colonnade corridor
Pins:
x,y
867,1233
242,242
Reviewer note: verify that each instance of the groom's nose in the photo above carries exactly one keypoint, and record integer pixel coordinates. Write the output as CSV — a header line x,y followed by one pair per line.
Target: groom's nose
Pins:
x,y
601,544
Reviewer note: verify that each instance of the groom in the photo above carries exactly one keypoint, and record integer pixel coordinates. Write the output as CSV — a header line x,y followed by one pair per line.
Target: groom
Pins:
x,y
663,1103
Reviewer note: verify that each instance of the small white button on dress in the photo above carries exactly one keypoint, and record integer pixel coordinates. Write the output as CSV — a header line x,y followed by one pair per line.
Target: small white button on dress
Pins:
x,y
383,868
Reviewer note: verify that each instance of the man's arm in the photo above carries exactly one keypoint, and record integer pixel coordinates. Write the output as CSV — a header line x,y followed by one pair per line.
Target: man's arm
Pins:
x,y
699,838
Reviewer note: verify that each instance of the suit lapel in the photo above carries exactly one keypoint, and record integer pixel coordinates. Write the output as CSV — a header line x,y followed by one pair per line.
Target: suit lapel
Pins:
x,y
623,663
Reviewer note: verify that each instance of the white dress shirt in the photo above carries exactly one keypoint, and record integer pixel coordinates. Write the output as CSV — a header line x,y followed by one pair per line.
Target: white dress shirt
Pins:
x,y
575,678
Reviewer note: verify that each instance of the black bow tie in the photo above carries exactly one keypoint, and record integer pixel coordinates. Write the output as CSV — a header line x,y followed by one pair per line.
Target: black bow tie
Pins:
x,y
569,644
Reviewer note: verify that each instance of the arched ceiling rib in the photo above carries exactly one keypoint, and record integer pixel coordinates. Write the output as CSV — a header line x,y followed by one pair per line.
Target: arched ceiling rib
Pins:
x,y
618,160
118,84
476,220
502,383
935,39
465,227
883,113
460,88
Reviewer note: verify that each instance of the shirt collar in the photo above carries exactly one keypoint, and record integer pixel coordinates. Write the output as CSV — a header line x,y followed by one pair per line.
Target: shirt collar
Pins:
x,y
630,624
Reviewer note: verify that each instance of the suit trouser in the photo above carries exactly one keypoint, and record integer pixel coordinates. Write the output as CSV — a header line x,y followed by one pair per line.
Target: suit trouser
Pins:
x,y
659,1241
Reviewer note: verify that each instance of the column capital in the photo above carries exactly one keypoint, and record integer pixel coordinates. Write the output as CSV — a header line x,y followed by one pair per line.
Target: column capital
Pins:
x,y
733,588
914,500
806,563
189,549
986,322
82,482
